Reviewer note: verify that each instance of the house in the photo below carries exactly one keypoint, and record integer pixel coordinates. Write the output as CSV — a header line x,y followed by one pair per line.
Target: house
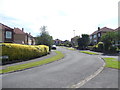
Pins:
x,y
16,35
96,36
30,39
6,34
21,37
57,42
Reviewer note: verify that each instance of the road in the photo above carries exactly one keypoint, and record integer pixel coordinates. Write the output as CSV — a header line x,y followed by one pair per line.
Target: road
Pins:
x,y
73,68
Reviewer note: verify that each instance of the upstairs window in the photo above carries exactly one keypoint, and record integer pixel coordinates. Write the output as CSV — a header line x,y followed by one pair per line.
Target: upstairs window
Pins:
x,y
8,34
99,35
94,36
90,37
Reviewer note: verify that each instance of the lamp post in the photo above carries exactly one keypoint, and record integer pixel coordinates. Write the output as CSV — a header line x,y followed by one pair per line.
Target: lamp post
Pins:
x,y
74,32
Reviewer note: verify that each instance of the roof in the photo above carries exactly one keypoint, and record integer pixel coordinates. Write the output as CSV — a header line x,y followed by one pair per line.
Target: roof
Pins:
x,y
104,29
18,31
5,26
117,29
29,35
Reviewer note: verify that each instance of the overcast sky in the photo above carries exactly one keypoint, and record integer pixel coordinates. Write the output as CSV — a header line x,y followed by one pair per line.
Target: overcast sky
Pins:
x,y
60,16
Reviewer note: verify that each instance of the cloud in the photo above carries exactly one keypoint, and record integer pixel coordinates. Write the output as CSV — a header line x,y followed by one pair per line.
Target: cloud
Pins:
x,y
60,16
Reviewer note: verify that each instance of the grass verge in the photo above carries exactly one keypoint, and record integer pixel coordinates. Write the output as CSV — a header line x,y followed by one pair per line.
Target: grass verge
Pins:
x,y
32,64
112,63
70,48
87,52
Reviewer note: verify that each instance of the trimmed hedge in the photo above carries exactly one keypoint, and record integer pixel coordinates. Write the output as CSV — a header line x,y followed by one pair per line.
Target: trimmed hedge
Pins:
x,y
19,52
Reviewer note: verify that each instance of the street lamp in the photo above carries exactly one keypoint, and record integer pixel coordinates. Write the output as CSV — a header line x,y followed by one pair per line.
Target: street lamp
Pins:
x,y
74,32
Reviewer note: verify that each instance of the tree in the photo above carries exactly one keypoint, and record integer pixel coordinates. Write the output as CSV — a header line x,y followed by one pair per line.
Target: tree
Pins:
x,y
84,41
109,39
44,38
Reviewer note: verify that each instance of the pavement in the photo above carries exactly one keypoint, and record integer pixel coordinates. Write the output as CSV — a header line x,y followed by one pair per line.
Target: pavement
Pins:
x,y
64,73
108,78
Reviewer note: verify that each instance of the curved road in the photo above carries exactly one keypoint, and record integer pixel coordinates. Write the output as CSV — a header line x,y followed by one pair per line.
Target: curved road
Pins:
x,y
73,68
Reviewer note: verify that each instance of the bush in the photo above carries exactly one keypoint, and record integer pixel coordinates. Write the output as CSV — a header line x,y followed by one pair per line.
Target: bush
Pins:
x,y
94,48
18,52
90,47
100,46
112,49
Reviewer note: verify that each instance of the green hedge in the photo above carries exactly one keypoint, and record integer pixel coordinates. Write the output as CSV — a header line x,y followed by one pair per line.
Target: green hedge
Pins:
x,y
22,52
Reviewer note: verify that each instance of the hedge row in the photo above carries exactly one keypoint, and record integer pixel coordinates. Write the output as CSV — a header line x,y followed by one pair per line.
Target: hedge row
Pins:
x,y
22,52
100,47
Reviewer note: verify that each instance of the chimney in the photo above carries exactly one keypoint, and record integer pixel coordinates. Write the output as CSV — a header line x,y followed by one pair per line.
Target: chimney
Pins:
x,y
29,33
23,29
98,28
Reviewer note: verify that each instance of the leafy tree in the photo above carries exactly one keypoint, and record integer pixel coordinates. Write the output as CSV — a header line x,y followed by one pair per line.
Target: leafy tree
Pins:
x,y
84,41
109,39
44,38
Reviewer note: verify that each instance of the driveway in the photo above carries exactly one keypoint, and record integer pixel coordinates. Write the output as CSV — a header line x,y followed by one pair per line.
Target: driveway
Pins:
x,y
70,70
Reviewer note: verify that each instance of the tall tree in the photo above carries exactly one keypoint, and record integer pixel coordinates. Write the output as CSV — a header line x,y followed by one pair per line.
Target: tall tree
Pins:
x,y
44,38
84,41
109,39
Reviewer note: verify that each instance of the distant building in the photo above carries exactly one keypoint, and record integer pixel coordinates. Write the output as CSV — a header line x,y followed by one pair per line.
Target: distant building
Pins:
x,y
96,36
57,42
6,34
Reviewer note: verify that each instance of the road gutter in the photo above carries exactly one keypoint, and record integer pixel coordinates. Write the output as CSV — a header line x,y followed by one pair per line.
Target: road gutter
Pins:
x,y
82,82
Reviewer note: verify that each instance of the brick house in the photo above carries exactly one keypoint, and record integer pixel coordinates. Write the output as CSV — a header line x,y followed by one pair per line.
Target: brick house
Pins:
x,y
6,34
30,39
57,42
16,35
96,36
21,37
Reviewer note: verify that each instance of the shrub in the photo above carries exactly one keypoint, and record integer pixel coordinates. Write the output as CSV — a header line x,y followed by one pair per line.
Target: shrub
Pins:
x,y
94,48
100,46
18,52
90,47
112,49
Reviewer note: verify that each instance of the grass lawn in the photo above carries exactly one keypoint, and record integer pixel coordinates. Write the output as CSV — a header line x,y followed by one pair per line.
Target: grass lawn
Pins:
x,y
70,48
32,64
87,52
112,63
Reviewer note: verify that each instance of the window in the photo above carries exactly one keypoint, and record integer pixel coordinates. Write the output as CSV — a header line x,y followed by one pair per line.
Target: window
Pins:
x,y
95,41
8,34
98,34
94,36
90,37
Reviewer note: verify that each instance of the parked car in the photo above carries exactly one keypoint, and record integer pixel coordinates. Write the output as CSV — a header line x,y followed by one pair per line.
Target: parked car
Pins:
x,y
54,47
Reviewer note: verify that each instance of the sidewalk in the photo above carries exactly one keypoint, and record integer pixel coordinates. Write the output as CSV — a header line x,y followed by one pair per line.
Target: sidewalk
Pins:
x,y
108,78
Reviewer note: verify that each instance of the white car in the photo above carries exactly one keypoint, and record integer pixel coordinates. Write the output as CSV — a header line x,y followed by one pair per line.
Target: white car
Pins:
x,y
54,47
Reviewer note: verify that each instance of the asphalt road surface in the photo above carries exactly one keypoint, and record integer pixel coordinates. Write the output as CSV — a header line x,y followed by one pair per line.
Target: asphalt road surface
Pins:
x,y
70,70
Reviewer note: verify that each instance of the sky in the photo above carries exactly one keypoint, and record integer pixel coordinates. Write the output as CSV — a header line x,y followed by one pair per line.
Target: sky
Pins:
x,y
60,16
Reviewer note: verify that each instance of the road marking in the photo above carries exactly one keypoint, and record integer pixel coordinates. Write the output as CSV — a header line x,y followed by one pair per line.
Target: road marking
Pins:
x,y
81,83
